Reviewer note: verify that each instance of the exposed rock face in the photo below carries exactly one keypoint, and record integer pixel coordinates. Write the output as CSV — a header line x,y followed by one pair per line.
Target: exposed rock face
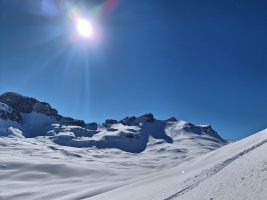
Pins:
x,y
18,102
71,121
172,119
92,126
7,113
109,122
136,120
21,104
26,104
127,120
149,117
44,108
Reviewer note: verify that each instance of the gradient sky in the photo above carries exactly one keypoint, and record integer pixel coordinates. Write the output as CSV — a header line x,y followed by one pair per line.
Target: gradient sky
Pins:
x,y
201,61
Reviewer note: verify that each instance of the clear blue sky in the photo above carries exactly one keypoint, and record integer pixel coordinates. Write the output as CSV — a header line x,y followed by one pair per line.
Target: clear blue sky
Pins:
x,y
201,61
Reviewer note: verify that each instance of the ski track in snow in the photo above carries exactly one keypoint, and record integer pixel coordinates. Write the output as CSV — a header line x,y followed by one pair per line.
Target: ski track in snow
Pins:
x,y
208,173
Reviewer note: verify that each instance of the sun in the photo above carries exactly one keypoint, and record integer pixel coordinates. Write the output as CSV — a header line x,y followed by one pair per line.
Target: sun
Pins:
x,y
84,28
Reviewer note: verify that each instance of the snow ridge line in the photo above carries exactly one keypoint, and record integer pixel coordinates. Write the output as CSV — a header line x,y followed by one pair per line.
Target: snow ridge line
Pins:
x,y
208,173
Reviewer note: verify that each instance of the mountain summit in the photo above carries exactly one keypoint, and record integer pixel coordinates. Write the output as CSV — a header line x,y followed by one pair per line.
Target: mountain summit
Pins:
x,y
23,104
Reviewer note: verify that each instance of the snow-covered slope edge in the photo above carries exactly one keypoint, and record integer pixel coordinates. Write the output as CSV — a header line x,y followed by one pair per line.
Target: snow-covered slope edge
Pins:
x,y
236,171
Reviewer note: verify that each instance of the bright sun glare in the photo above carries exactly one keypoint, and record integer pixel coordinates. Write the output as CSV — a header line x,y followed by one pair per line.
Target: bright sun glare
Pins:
x,y
84,28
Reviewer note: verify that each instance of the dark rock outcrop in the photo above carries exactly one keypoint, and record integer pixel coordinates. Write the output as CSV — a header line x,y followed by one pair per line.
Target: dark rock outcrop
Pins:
x,y
44,108
172,119
71,121
127,120
7,113
149,117
23,104
109,122
18,102
92,126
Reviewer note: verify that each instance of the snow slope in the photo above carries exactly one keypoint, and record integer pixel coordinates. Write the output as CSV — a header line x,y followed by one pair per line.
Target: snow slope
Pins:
x,y
236,171
41,168
37,168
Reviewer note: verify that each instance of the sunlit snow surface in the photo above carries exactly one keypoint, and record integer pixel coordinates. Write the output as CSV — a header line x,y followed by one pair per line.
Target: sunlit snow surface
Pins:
x,y
177,162
71,162
236,171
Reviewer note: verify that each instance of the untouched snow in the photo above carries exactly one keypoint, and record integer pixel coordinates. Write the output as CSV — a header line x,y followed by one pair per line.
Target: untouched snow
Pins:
x,y
37,168
136,159
40,159
237,171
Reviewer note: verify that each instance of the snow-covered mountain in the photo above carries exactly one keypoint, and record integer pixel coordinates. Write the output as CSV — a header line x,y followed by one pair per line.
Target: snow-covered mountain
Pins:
x,y
33,118
44,155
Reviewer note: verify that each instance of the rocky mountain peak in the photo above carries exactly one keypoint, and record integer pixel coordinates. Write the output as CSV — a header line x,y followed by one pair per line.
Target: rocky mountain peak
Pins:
x,y
22,104
25,104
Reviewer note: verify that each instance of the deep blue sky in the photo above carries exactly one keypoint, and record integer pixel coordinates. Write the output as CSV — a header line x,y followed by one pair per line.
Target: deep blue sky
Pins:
x,y
201,61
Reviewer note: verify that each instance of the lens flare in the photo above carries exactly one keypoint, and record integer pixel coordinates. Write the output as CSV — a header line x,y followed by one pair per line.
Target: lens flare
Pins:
x,y
84,28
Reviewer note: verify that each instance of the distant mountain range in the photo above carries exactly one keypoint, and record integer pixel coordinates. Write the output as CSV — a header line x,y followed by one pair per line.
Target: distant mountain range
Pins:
x,y
27,117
